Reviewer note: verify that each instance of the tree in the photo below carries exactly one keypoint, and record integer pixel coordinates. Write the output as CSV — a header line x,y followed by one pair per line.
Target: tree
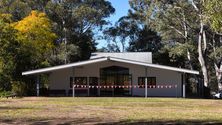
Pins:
x,y
61,52
36,38
17,8
36,30
25,45
194,22
177,22
77,21
8,51
130,29
147,41
213,10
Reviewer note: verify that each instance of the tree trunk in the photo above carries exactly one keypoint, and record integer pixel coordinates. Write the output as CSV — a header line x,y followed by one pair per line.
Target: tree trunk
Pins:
x,y
200,53
217,67
189,59
218,75
186,39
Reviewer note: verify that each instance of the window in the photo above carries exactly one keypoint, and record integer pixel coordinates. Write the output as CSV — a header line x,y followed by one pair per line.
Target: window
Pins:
x,y
71,82
78,81
150,81
93,80
141,82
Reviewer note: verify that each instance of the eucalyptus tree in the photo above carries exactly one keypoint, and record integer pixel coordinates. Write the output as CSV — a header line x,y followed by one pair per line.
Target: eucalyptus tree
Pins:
x,y
76,22
132,29
178,22
213,17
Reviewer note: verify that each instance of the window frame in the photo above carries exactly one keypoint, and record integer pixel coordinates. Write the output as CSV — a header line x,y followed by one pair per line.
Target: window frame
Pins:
x,y
72,81
141,84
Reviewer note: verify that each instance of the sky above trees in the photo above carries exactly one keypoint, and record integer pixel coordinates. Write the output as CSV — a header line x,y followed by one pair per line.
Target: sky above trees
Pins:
x,y
121,9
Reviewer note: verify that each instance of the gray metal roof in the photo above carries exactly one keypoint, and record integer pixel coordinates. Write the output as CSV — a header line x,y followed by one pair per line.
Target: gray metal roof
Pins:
x,y
136,56
101,59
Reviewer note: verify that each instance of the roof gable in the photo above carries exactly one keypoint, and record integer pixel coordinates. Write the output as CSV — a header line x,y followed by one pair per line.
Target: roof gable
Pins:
x,y
97,60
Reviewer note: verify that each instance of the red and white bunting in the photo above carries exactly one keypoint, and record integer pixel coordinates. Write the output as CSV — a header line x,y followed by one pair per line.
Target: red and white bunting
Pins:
x,y
167,86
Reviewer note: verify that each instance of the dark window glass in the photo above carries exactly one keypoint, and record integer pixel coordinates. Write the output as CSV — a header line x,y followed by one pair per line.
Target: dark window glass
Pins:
x,y
114,70
78,81
71,82
93,80
150,81
141,82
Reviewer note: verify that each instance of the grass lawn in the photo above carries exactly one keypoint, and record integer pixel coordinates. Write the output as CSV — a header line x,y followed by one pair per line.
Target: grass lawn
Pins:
x,y
108,110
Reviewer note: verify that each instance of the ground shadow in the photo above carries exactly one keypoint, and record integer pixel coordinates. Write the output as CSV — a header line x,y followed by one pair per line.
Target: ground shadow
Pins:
x,y
97,121
54,121
15,108
160,122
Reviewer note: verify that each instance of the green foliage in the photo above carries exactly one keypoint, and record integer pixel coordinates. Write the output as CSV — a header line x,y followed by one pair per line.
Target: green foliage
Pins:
x,y
42,33
18,88
213,10
180,51
17,8
217,54
36,38
62,51
76,23
24,45
4,93
146,41
8,51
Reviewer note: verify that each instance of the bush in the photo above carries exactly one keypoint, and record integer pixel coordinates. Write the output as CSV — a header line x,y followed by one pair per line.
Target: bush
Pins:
x,y
4,93
18,88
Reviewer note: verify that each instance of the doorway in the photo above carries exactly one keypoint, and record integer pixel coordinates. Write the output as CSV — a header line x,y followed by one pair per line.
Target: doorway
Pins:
x,y
117,81
93,82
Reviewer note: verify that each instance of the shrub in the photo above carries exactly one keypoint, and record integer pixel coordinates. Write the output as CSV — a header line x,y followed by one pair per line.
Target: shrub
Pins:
x,y
18,88
4,93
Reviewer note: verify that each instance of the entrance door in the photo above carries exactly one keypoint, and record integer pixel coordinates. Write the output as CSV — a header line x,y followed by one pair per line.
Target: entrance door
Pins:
x,y
106,82
93,81
123,80
117,78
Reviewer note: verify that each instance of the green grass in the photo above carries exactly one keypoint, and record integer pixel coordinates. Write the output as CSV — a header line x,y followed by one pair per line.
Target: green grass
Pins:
x,y
107,110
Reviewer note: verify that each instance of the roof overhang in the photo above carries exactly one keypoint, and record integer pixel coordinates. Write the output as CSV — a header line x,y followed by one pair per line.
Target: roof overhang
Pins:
x,y
97,60
157,66
45,70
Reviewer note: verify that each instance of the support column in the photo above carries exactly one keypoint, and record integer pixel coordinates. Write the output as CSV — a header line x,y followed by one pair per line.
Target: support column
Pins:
x,y
99,86
87,85
73,83
131,83
37,85
183,85
146,83
73,90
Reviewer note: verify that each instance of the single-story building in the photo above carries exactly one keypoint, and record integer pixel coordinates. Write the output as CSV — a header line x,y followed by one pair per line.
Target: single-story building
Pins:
x,y
116,74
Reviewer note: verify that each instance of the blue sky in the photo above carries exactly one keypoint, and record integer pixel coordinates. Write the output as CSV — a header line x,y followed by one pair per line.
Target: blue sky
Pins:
x,y
121,7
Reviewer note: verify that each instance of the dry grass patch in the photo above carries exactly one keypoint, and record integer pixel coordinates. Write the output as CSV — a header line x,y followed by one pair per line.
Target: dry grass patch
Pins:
x,y
107,110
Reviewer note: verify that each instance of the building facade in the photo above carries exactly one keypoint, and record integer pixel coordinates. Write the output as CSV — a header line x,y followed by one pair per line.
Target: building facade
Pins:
x,y
116,74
